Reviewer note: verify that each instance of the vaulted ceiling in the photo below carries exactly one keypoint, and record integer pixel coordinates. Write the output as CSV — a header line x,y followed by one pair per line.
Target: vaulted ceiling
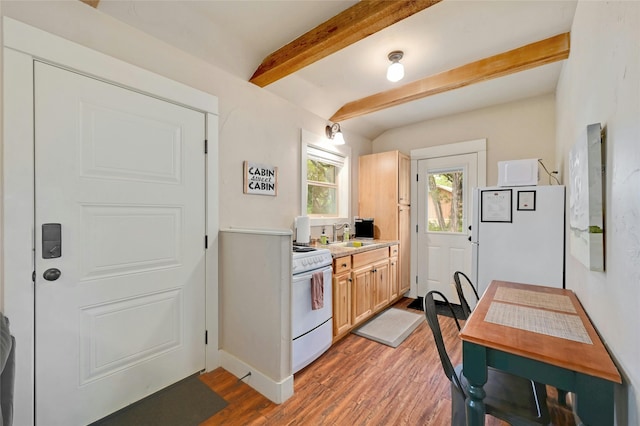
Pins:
x,y
330,57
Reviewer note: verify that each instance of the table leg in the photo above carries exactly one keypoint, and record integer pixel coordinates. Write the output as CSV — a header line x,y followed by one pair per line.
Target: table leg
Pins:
x,y
595,403
474,361
562,397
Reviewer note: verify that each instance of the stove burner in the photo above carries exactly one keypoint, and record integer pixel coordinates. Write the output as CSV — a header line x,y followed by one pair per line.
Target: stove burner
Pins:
x,y
302,249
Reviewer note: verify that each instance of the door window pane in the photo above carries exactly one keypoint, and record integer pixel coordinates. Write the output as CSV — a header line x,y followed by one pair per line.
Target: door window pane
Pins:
x,y
445,201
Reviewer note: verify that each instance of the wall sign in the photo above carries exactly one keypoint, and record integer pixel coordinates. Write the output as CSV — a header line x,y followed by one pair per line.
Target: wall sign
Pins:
x,y
260,179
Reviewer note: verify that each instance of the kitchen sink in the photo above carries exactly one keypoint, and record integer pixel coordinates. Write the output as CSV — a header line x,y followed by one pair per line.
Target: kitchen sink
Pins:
x,y
354,244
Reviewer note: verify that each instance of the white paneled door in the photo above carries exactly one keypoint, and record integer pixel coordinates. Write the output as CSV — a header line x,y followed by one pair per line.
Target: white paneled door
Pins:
x,y
120,284
444,216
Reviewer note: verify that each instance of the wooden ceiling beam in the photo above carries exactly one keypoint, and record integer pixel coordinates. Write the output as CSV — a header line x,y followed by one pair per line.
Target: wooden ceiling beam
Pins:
x,y
350,26
92,3
526,57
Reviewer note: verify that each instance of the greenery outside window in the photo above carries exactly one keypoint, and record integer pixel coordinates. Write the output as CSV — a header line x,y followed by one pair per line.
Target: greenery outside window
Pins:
x,y
445,201
322,188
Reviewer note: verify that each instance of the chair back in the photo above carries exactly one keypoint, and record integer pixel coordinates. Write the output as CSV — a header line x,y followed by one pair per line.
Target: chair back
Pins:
x,y
429,306
466,309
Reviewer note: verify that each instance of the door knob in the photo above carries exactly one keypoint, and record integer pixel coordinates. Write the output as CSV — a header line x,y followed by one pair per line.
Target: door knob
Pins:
x,y
51,274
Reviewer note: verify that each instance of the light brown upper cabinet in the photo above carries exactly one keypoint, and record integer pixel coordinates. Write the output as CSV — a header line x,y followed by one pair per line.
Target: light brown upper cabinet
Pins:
x,y
384,195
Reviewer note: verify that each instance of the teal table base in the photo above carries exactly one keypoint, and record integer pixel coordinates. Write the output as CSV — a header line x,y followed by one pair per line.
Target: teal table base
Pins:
x,y
594,395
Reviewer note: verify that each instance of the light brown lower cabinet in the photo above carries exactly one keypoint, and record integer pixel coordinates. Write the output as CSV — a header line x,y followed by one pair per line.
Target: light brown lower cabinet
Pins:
x,y
380,284
363,284
341,303
394,289
361,294
342,285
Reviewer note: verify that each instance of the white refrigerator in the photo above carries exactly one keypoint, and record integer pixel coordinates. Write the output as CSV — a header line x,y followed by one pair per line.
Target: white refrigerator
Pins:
x,y
518,234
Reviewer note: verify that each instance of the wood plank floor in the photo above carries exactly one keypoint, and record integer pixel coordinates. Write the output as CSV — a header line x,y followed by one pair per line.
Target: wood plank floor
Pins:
x,y
360,382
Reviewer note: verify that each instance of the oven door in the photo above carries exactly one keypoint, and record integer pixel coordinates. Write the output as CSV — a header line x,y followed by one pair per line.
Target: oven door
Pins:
x,y
303,318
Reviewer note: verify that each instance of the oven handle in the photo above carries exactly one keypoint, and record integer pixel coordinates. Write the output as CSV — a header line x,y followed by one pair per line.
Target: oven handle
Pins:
x,y
307,275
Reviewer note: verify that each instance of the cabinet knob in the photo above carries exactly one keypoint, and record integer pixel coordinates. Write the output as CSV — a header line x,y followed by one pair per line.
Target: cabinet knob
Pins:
x,y
344,265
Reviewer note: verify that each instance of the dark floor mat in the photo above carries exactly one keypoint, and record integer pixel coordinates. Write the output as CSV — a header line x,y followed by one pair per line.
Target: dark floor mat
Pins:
x,y
186,403
441,308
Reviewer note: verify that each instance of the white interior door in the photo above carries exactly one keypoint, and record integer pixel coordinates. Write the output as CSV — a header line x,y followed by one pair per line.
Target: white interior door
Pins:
x,y
124,176
444,216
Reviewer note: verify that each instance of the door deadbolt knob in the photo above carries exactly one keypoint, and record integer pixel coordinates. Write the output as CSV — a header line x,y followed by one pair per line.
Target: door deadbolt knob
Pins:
x,y
51,274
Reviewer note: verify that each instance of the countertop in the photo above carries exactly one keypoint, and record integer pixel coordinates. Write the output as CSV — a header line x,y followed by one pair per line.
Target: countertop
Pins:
x,y
337,250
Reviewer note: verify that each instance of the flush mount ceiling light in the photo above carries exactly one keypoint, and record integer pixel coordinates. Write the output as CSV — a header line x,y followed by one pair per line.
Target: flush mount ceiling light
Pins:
x,y
395,72
334,134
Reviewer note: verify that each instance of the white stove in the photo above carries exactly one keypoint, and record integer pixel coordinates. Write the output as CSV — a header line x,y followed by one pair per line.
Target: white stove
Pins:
x,y
309,258
312,329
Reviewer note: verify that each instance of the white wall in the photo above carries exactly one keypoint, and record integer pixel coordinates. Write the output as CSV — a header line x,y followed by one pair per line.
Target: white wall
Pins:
x,y
254,125
516,130
600,82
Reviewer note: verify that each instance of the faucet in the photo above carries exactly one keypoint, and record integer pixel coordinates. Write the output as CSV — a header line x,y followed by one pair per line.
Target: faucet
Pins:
x,y
336,227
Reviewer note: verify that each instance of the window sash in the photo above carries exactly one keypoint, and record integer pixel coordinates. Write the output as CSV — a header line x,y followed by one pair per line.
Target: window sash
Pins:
x,y
335,186
317,154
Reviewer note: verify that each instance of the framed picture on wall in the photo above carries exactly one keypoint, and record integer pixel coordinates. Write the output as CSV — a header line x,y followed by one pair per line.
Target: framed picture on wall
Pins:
x,y
586,207
526,200
495,205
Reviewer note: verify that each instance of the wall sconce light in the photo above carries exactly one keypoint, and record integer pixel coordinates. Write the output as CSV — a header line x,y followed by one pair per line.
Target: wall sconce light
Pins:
x,y
334,134
395,72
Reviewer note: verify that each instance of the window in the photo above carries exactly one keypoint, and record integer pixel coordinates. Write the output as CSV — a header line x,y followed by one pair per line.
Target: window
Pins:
x,y
445,201
322,187
325,180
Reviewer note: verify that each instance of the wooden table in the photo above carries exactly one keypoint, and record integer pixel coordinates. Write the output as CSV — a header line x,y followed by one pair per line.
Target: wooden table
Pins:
x,y
544,334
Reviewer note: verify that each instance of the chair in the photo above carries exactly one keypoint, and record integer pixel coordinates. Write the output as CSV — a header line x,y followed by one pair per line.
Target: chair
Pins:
x,y
463,301
510,398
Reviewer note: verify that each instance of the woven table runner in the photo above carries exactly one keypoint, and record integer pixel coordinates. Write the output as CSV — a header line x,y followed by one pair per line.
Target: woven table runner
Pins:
x,y
554,324
557,302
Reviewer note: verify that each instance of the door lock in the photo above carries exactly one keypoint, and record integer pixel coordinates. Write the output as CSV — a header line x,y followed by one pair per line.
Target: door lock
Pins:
x,y
51,240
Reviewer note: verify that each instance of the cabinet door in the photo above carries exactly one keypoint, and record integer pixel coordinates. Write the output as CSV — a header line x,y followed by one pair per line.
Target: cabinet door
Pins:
x,y
341,303
361,294
367,192
394,289
378,192
380,281
404,179
404,225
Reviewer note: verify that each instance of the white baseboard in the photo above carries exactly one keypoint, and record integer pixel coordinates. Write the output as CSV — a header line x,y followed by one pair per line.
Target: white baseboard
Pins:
x,y
277,392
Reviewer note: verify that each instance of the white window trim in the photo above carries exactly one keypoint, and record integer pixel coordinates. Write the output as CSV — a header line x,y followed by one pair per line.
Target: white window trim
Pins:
x,y
310,140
